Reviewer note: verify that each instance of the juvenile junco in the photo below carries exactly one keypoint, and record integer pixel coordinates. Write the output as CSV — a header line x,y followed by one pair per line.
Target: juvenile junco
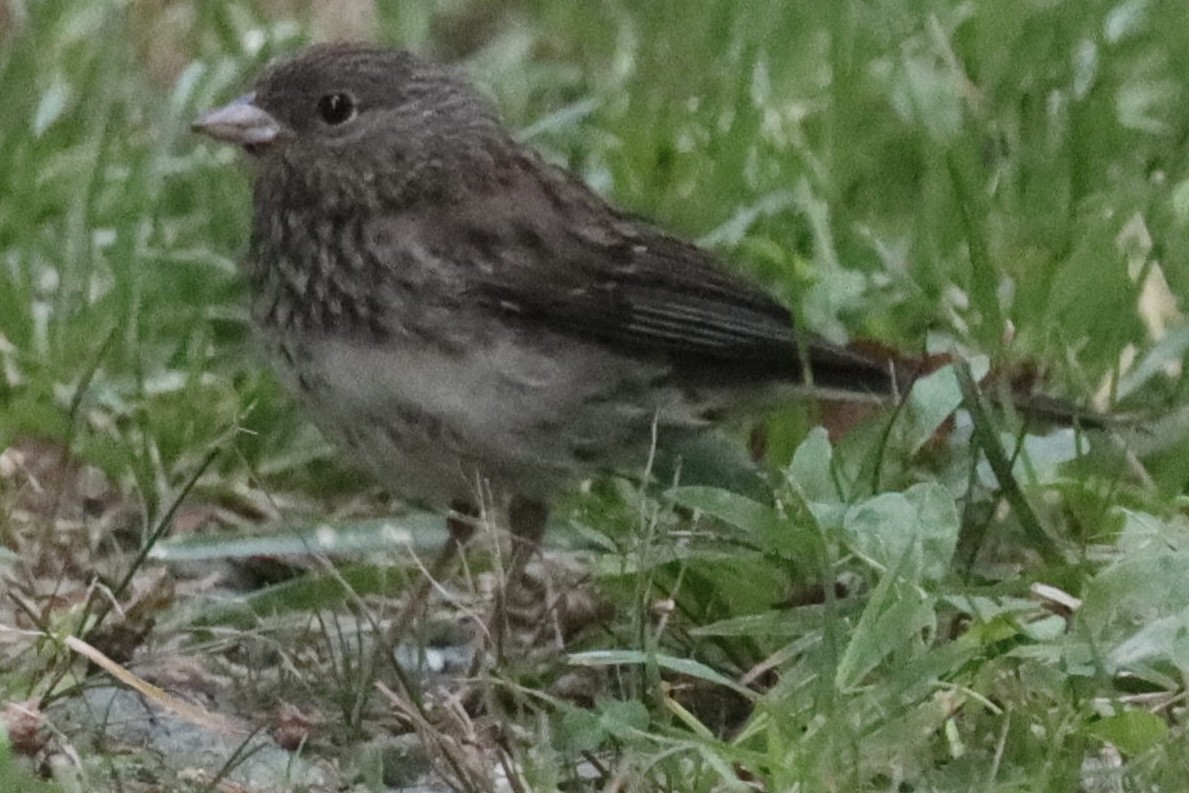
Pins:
x,y
470,320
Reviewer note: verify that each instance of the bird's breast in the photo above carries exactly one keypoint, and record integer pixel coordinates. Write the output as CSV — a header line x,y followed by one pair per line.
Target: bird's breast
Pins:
x,y
312,273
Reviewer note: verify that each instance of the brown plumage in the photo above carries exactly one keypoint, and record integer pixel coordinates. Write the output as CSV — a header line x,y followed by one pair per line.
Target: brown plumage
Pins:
x,y
467,318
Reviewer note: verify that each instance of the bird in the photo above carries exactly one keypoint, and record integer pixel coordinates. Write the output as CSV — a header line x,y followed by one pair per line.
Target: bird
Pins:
x,y
476,324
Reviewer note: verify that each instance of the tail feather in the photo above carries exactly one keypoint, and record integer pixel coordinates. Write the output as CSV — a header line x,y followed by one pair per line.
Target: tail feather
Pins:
x,y
868,371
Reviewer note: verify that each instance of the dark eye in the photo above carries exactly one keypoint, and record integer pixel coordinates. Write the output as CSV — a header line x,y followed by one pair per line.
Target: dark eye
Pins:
x,y
336,109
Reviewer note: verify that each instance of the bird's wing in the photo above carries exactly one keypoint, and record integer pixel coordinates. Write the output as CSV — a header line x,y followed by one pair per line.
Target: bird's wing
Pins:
x,y
648,294
549,251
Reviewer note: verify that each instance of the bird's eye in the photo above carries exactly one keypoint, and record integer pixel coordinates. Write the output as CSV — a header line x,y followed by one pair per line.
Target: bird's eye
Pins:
x,y
337,108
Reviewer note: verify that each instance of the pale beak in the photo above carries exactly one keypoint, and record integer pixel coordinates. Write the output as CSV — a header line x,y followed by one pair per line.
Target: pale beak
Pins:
x,y
240,122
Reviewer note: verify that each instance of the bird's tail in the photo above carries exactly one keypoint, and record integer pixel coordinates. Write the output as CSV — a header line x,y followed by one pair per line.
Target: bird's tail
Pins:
x,y
871,372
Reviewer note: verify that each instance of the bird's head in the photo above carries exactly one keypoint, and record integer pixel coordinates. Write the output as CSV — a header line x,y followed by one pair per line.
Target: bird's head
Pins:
x,y
356,121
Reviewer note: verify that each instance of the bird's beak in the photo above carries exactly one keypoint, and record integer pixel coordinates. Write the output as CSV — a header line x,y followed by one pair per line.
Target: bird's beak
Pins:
x,y
241,122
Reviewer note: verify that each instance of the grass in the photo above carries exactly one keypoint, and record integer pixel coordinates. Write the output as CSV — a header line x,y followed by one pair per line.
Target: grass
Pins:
x,y
1005,180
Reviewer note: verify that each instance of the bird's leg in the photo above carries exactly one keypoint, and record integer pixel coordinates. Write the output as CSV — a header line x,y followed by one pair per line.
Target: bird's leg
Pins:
x,y
461,524
526,520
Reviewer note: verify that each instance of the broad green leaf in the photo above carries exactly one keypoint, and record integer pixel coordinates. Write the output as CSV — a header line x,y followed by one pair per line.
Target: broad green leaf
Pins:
x,y
1133,732
1165,639
920,525
811,466
895,616
775,533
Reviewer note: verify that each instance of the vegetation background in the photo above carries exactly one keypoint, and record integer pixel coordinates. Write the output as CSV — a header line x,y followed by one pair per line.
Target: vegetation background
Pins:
x,y
1003,182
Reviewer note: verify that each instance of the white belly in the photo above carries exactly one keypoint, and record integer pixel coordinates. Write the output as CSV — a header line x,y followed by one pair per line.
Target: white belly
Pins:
x,y
434,424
